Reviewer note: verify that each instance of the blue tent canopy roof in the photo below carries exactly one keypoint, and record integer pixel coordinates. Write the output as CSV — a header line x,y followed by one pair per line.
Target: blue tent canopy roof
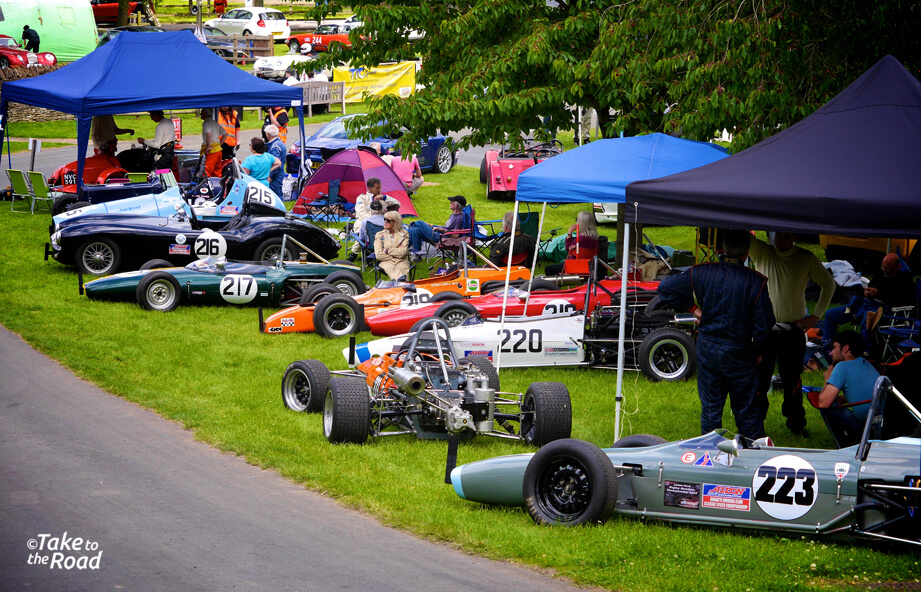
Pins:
x,y
600,171
853,167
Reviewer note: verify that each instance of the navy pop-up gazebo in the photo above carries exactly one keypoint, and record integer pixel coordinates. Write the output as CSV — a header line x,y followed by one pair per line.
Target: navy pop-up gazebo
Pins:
x,y
143,72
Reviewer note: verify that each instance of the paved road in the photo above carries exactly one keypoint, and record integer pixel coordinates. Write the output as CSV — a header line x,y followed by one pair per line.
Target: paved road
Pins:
x,y
170,513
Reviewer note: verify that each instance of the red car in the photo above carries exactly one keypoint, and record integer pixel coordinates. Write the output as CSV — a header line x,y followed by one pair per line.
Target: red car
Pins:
x,y
106,11
500,169
321,39
542,301
13,56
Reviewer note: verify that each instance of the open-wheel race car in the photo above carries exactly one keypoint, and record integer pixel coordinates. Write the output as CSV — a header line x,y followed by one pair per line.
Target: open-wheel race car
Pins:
x,y
500,169
426,390
870,490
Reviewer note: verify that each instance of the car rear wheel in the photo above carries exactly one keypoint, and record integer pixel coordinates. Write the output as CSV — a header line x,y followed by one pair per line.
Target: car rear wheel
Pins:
x,y
570,482
294,46
99,256
4,63
269,251
247,33
484,366
337,315
484,171
62,203
347,411
157,264
454,313
316,292
445,297
78,205
347,282
304,386
443,160
546,413
667,354
159,291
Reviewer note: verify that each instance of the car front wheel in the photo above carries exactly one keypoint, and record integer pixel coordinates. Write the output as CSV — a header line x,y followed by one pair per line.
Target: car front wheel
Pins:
x,y
304,385
100,256
294,46
443,159
159,291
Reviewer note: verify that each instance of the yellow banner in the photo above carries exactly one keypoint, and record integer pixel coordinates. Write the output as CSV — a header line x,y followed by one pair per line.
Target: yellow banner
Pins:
x,y
385,79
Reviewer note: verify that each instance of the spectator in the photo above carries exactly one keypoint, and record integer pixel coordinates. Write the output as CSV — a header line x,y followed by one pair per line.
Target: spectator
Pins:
x,y
103,132
581,241
408,170
276,148
259,165
277,116
220,6
212,136
376,146
420,230
788,269
163,141
852,378
229,119
290,77
735,317
391,247
31,40
376,218
891,288
524,243
318,76
363,208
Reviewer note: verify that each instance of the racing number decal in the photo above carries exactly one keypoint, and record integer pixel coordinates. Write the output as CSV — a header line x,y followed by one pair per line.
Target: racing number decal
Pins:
x,y
534,337
238,289
263,195
412,300
558,306
785,487
210,244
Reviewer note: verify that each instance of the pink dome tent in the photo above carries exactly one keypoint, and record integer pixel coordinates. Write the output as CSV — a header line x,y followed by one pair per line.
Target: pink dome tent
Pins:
x,y
353,168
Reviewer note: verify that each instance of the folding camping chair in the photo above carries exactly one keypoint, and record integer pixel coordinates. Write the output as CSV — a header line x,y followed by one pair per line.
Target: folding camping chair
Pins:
x,y
900,332
21,189
709,244
325,208
41,191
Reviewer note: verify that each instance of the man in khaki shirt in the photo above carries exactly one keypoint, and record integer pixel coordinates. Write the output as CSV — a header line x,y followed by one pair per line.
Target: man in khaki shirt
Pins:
x,y
788,269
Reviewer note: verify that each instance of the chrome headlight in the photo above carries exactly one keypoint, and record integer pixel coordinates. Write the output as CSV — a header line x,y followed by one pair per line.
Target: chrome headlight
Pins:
x,y
55,241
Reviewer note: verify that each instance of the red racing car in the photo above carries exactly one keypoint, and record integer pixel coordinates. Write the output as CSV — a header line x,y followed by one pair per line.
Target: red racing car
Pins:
x,y
321,39
500,168
545,298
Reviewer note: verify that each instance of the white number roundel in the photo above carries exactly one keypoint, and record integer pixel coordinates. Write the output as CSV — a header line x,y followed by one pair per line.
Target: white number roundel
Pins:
x,y
413,299
238,289
210,244
558,305
785,487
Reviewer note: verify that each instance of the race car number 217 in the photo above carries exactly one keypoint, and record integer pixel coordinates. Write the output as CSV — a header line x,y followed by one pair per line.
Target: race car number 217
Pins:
x,y
785,487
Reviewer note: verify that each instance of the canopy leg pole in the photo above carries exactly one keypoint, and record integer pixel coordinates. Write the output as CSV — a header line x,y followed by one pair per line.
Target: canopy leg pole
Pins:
x,y
622,329
540,229
508,275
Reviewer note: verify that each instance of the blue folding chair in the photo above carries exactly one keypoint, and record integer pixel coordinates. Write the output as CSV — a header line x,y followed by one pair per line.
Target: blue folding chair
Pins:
x,y
326,208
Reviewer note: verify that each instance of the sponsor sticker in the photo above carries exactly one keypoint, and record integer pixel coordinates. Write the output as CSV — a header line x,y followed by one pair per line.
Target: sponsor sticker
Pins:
x,y
727,497
785,487
180,249
274,329
229,210
682,495
473,285
841,470
483,353
287,322
688,457
704,461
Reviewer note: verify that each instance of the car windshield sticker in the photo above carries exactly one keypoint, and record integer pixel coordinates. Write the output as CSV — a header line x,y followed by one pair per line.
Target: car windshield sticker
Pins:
x,y
180,239
704,461
841,470
557,306
727,497
688,457
682,495
415,299
180,249
785,487
257,193
483,353
238,289
473,285
210,244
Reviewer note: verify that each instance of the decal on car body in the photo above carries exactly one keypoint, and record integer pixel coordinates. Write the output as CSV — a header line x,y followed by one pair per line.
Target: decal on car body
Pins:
x,y
785,487
727,497
210,244
558,305
180,249
688,457
180,239
238,289
415,299
682,495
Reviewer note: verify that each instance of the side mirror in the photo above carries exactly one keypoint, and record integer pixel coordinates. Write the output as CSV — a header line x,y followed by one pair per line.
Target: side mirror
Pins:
x,y
730,446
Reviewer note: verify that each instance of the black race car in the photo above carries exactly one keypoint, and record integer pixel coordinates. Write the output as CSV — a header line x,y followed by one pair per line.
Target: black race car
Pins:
x,y
102,245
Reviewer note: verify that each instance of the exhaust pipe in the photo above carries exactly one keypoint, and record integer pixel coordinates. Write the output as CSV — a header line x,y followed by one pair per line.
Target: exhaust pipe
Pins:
x,y
409,381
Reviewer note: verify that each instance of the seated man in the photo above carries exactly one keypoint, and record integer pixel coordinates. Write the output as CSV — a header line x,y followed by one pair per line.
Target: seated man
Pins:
x,y
376,218
524,243
891,288
851,379
363,208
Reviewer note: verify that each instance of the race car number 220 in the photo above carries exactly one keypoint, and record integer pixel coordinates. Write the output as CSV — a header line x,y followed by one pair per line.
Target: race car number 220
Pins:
x,y
534,339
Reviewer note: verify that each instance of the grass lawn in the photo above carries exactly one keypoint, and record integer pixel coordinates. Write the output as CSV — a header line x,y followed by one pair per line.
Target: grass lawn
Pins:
x,y
210,369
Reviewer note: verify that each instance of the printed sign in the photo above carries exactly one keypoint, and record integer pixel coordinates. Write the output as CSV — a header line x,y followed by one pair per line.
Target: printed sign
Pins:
x,y
682,495
483,353
558,306
704,461
785,487
841,470
727,497
473,285
258,193
229,210
385,79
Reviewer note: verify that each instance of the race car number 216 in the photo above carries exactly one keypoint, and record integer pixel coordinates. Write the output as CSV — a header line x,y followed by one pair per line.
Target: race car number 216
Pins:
x,y
785,487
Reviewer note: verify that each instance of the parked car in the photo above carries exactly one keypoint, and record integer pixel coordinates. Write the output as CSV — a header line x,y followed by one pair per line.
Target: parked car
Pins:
x,y
321,39
435,156
274,68
106,11
13,56
221,47
500,168
253,21
110,34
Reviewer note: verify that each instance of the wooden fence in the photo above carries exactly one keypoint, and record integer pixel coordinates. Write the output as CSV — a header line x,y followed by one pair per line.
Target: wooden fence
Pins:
x,y
248,49
322,93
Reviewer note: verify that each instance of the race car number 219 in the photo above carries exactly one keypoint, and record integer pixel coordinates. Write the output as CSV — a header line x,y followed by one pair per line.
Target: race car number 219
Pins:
x,y
785,487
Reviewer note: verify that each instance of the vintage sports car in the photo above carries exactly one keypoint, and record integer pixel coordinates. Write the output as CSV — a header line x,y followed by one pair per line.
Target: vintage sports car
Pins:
x,y
106,11
436,155
661,345
211,206
331,314
426,390
870,490
13,56
544,299
320,40
104,244
218,281
500,169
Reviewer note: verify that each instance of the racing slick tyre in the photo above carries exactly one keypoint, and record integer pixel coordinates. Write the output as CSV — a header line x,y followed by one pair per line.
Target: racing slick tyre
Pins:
x,y
338,315
539,285
347,282
294,46
77,205
454,313
484,171
570,482
639,441
667,354
493,285
157,264
60,204
347,411
269,251
445,296
159,291
656,305
316,292
304,386
484,366
444,160
546,413
98,256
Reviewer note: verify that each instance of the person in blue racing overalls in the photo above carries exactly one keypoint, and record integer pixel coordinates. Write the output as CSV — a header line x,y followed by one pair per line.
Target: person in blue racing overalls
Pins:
x,y
735,316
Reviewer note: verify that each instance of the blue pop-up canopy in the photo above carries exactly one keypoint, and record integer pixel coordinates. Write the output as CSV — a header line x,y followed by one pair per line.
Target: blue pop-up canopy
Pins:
x,y
143,72
599,172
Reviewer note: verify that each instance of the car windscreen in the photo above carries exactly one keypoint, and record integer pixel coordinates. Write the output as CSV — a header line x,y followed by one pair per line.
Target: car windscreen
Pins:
x,y
333,129
327,30
6,42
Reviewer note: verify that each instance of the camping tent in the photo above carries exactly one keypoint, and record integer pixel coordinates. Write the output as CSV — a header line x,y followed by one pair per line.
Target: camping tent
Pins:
x,y
66,27
600,171
352,168
142,72
853,167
